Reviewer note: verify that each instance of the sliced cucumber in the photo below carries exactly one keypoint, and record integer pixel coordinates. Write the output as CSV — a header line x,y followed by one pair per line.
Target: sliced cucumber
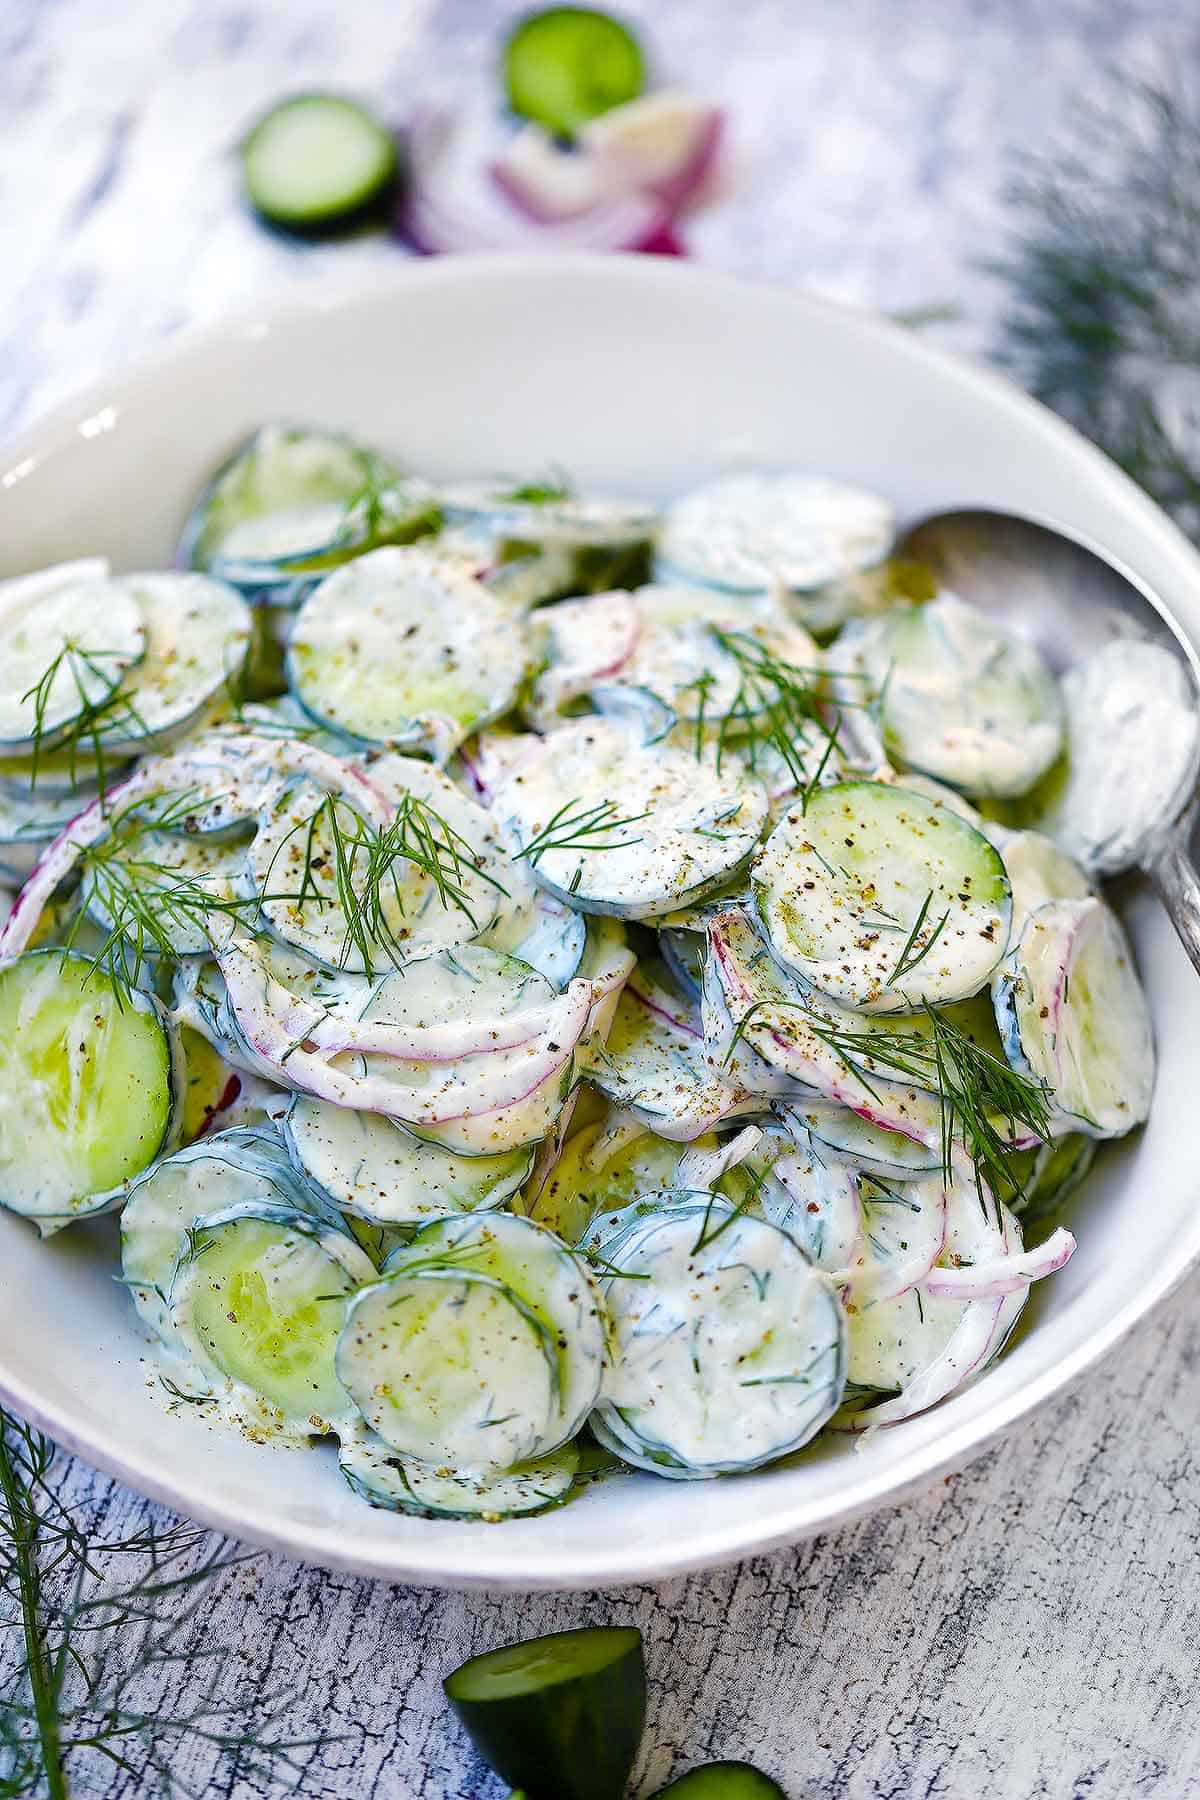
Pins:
x,y
90,1087
259,1297
882,899
537,929
315,161
568,64
818,1204
892,1341
723,1781
376,1170
378,1476
1038,871
843,1134
604,1167
292,503
751,533
1073,1015
676,829
582,643
962,700
230,1168
170,875
1049,1175
401,647
29,824
1133,749
69,635
197,636
560,1717
547,515
730,1355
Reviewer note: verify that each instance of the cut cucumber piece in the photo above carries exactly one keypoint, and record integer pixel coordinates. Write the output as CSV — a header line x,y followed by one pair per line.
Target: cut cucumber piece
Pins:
x,y
723,1781
230,1168
28,824
376,1170
882,899
548,515
316,160
962,700
752,533
402,647
259,1296
606,1166
729,1356
90,1087
197,635
611,825
560,1716
170,874
835,1130
292,503
381,1478
68,637
1073,1015
1038,871
1049,1175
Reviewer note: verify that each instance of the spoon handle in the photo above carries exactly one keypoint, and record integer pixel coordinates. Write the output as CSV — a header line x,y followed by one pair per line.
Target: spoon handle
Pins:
x,y
1177,884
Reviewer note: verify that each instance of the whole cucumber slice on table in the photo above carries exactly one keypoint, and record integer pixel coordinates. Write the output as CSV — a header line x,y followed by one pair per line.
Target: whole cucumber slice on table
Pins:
x,y
560,1717
569,64
724,1781
315,161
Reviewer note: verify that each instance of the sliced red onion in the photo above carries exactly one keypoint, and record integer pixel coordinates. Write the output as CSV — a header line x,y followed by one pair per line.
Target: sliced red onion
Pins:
x,y
547,181
702,1168
1002,1274
453,205
665,144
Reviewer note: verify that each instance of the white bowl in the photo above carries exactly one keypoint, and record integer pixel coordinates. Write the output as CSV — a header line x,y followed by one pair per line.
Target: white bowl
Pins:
x,y
639,375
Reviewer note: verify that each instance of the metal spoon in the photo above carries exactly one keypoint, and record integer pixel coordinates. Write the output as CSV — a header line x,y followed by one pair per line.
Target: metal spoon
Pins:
x,y
1070,599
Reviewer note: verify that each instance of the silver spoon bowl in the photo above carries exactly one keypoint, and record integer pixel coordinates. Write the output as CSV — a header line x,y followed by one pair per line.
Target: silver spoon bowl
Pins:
x,y
1069,598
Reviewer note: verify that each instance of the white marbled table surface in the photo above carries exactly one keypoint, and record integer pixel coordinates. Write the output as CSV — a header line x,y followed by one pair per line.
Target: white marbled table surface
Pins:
x,y
1027,1628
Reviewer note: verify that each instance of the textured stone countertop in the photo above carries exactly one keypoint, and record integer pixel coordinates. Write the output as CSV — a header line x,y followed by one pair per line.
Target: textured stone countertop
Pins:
x,y
1028,1627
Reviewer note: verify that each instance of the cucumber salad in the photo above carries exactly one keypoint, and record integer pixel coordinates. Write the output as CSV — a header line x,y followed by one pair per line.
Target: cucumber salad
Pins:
x,y
548,982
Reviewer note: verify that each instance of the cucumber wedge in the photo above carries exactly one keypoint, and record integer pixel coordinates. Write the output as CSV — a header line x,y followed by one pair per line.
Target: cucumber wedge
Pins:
x,y
723,1781
882,899
91,1087
402,647
560,1717
316,161
611,825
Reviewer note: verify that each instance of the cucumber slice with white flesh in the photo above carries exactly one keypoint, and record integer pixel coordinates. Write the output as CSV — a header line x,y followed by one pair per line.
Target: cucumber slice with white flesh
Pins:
x,y
70,774
259,1297
680,827
730,1355
1073,1015
91,1087
551,1280
962,700
1038,870
1132,754
291,503
315,161
68,637
818,1204
837,1132
376,1170
558,1717
230,1168
883,900
654,1064
750,533
723,1781
401,647
29,824
548,513
893,1340
537,929
604,1167
155,889
381,1478
197,635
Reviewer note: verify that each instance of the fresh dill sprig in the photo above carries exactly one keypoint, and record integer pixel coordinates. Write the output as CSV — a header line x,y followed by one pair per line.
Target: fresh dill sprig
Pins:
x,y
104,1623
777,707
543,490
106,713
578,826
917,948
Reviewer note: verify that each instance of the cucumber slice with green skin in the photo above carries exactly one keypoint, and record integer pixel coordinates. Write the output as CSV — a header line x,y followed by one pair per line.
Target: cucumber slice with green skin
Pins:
x,y
723,1781
679,829
883,900
730,1355
1049,1175
818,1204
259,1297
582,643
548,516
560,1717
892,1341
754,533
230,1168
551,1280
963,701
376,1170
153,867
568,64
1073,1015
603,1168
683,952
377,1475
28,824
401,647
450,1367
291,503
91,1089
315,161
197,634
654,1064
1132,753
537,929
836,1131
1038,870
59,776
69,636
